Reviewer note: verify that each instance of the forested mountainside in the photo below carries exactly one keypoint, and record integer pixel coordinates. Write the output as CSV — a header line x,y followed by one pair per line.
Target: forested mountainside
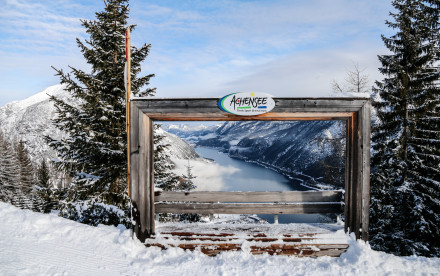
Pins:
x,y
310,150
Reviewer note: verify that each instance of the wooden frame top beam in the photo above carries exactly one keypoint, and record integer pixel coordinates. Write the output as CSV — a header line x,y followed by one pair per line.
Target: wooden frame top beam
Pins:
x,y
206,109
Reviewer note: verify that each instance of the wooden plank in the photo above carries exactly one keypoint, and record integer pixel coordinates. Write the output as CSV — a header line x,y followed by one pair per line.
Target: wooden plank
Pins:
x,y
146,177
249,208
348,175
298,250
216,114
283,105
174,115
127,103
219,238
134,160
365,170
357,177
287,196
353,218
143,177
150,174
320,102
304,250
305,240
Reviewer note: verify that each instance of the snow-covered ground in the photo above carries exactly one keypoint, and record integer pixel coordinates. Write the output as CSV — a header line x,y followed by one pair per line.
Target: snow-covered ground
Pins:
x,y
39,244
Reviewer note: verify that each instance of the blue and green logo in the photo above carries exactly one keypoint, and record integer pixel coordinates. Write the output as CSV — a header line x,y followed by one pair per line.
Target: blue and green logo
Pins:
x,y
246,103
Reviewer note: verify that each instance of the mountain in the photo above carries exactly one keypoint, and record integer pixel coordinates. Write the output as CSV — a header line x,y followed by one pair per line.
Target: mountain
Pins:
x,y
178,148
30,120
192,133
312,151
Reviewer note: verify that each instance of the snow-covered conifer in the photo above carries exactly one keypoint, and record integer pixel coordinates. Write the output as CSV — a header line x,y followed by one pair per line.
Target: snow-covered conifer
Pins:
x,y
9,172
95,151
45,189
405,165
187,183
26,170
163,177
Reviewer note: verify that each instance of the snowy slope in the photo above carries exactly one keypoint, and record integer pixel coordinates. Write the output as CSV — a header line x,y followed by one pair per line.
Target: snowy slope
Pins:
x,y
177,147
40,244
30,120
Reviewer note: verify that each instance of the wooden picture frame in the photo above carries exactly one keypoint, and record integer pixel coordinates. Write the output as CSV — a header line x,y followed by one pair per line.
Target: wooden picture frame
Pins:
x,y
355,111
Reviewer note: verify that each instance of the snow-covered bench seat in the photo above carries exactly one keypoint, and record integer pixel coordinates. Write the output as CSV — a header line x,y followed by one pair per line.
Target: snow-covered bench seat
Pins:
x,y
287,239
297,239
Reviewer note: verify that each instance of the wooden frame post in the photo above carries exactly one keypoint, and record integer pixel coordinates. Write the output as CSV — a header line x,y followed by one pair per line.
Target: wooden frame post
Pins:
x,y
355,111
127,81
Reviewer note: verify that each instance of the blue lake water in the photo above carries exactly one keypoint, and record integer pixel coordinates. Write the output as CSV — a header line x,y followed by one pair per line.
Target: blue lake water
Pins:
x,y
253,177
249,176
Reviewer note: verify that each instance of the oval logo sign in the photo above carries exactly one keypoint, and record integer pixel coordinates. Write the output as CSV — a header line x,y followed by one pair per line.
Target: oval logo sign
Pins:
x,y
246,103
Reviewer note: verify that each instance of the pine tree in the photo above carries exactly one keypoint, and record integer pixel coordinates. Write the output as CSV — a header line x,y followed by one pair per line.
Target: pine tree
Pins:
x,y
26,176
43,174
405,165
166,180
187,183
9,188
95,151
45,189
163,177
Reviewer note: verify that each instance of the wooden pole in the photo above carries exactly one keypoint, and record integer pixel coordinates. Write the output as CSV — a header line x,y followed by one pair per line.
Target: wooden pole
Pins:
x,y
127,101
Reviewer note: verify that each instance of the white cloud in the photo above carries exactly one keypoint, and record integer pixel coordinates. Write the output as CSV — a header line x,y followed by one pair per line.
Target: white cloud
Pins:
x,y
302,74
34,27
306,74
206,48
209,175
283,47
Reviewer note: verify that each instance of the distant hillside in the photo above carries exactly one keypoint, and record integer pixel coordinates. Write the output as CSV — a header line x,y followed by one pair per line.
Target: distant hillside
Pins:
x,y
31,119
192,133
310,150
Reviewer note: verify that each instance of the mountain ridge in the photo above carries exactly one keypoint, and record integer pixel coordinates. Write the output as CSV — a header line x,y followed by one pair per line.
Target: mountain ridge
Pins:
x,y
30,120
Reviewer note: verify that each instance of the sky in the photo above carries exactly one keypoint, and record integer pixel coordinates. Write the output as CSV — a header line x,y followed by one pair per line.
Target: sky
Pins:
x,y
286,48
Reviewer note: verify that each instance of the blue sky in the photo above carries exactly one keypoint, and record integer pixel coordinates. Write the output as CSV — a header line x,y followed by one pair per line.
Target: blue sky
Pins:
x,y
202,48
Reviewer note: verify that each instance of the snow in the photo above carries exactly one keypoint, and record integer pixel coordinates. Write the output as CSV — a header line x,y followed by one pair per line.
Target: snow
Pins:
x,y
30,120
54,90
40,244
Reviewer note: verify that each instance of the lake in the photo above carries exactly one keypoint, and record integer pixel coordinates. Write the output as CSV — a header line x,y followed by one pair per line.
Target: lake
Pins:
x,y
249,176
246,176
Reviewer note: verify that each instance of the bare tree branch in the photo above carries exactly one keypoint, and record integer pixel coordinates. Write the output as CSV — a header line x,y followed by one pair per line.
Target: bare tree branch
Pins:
x,y
356,82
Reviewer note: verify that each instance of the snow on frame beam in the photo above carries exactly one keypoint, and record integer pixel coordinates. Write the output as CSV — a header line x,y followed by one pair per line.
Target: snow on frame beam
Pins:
x,y
356,111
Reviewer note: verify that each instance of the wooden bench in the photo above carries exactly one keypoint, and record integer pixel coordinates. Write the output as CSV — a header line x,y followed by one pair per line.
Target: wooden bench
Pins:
x,y
290,202
292,239
295,239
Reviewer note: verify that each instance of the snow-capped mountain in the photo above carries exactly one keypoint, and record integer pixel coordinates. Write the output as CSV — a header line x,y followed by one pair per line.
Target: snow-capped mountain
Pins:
x,y
30,120
178,148
192,133
296,148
